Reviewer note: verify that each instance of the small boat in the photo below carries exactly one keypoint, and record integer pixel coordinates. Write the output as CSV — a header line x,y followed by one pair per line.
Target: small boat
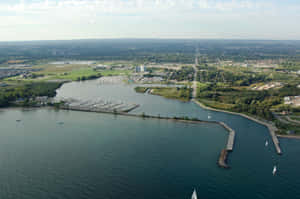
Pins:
x,y
18,120
209,117
267,143
194,195
60,123
274,170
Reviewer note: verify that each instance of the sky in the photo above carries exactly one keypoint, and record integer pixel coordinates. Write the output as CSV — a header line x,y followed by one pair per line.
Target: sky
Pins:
x,y
201,19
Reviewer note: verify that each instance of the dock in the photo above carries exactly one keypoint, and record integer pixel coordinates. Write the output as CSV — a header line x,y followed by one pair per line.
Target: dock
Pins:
x,y
98,105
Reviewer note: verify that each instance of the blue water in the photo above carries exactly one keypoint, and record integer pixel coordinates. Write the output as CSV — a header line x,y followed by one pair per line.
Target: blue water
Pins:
x,y
104,156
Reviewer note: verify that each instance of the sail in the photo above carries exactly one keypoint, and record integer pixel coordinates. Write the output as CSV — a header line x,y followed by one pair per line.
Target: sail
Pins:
x,y
194,196
267,143
274,170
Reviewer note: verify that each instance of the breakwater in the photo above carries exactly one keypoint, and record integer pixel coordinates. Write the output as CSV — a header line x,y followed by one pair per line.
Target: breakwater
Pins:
x,y
224,153
272,129
229,147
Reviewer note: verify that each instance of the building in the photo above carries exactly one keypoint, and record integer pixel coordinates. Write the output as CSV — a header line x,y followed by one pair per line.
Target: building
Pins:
x,y
140,69
42,100
292,100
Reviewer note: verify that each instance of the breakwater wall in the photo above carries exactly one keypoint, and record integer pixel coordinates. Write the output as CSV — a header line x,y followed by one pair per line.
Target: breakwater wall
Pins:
x,y
224,153
272,129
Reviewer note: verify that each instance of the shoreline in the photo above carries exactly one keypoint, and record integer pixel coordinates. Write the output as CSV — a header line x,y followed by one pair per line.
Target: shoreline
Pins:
x,y
272,129
289,136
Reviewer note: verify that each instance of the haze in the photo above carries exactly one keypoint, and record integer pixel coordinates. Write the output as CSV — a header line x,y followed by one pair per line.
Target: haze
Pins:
x,y
84,19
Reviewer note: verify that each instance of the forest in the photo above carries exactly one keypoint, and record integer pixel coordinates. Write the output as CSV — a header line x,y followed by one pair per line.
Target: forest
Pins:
x,y
26,91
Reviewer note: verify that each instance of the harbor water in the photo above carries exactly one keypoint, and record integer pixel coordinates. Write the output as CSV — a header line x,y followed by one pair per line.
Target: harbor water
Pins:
x,y
67,154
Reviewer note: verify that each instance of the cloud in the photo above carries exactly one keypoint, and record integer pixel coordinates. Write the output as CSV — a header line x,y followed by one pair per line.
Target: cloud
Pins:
x,y
129,6
143,18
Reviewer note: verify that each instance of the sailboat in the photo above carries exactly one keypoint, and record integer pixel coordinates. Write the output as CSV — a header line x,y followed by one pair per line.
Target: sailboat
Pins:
x,y
274,170
267,143
194,195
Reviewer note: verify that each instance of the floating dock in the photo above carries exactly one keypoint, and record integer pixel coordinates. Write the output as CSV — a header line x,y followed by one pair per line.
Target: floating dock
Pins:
x,y
98,105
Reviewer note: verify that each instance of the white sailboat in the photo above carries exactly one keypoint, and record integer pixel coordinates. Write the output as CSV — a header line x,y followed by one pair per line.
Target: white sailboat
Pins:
x,y
194,195
267,143
274,170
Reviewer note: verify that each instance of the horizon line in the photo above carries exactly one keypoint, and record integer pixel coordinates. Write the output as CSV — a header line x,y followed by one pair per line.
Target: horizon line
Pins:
x,y
147,38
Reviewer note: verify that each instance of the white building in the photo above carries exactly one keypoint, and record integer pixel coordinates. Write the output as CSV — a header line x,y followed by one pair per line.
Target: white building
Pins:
x,y
140,69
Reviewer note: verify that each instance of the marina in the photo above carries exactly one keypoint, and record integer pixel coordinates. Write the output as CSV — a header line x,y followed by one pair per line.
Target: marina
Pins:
x,y
98,105
248,158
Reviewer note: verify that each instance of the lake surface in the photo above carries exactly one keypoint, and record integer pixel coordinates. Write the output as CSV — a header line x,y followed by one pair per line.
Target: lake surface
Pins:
x,y
95,155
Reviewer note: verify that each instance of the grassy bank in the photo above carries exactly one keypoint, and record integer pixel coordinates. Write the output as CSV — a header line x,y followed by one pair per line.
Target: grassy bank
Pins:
x,y
140,89
182,94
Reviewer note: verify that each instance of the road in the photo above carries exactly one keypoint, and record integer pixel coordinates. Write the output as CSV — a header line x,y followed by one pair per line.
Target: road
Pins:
x,y
194,86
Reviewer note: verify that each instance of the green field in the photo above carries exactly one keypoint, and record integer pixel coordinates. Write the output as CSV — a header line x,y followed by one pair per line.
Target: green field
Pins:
x,y
67,72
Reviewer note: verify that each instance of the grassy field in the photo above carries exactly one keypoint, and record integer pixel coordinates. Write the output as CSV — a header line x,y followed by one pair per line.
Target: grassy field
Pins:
x,y
67,72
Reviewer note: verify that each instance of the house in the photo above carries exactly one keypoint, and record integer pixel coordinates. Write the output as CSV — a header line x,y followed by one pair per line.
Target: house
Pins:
x,y
43,100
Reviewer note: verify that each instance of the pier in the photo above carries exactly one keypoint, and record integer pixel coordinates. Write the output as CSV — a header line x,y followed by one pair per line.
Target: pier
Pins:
x,y
229,147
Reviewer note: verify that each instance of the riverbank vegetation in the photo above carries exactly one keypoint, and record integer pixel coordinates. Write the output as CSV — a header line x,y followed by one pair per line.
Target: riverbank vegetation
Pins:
x,y
22,93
